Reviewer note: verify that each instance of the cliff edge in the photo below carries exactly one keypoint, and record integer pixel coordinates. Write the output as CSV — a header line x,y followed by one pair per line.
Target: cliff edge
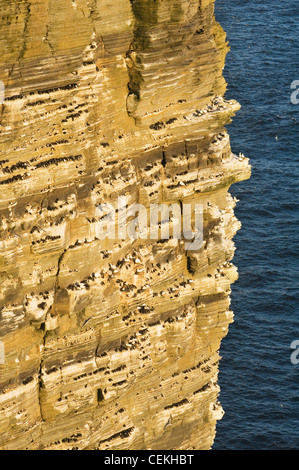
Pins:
x,y
112,343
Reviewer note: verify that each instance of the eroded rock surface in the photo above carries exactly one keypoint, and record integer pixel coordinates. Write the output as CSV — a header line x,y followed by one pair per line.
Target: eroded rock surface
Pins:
x,y
112,344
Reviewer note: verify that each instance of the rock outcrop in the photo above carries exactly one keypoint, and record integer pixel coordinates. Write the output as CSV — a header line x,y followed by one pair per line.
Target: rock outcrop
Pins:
x,y
112,343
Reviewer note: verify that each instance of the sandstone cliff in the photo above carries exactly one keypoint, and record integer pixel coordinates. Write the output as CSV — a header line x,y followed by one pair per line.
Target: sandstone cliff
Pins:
x,y
112,344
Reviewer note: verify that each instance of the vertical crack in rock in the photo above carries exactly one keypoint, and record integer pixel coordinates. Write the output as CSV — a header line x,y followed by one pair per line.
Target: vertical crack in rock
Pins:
x,y
113,343
46,39
26,29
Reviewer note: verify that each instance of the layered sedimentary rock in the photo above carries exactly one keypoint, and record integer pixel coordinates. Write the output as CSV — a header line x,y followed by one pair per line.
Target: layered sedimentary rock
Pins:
x,y
112,343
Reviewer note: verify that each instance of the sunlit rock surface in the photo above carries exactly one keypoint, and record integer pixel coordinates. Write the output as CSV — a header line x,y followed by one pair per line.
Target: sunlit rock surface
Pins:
x,y
112,344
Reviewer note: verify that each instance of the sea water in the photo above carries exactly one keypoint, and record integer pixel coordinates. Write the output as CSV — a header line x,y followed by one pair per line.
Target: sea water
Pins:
x,y
259,383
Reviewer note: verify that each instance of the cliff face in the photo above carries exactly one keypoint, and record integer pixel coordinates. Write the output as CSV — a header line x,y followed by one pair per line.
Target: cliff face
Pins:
x,y
112,344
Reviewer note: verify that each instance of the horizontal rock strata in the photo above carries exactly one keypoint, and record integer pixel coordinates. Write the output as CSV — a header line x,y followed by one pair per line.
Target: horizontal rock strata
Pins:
x,y
112,344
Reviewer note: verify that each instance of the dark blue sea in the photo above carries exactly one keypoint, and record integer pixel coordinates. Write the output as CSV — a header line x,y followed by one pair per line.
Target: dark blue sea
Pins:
x,y
259,383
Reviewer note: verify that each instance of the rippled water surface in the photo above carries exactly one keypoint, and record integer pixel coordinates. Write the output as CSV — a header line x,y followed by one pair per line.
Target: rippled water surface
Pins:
x,y
259,384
